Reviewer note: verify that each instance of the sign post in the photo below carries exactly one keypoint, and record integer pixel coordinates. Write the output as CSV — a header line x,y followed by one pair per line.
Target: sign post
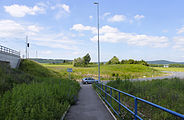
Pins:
x,y
69,70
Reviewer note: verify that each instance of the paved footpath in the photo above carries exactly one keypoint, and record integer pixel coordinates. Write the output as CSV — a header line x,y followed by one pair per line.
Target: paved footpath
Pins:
x,y
88,107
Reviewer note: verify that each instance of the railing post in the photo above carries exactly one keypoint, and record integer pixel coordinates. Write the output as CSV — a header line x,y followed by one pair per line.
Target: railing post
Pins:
x,y
135,108
99,87
102,89
111,95
105,92
119,102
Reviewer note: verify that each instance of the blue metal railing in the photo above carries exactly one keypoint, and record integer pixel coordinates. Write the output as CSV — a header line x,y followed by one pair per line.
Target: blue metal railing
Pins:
x,y
101,90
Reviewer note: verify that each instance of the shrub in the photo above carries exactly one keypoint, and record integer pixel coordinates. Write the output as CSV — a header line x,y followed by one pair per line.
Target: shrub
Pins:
x,y
46,100
114,60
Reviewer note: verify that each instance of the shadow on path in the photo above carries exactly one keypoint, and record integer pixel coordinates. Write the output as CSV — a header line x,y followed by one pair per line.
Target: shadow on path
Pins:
x,y
88,107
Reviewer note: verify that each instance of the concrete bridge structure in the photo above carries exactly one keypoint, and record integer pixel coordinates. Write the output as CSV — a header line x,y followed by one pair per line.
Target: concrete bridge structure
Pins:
x,y
9,56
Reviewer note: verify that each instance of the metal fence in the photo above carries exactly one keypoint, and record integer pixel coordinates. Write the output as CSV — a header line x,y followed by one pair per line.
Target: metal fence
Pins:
x,y
106,91
9,51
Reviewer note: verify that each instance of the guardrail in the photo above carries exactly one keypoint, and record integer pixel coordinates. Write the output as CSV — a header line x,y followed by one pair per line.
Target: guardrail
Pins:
x,y
107,91
9,51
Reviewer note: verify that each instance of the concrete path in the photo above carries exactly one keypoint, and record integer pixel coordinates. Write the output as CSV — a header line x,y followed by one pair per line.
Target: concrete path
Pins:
x,y
88,107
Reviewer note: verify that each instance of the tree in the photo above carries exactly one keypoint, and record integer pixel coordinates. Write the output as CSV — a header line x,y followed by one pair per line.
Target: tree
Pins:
x,y
78,62
87,59
143,63
130,61
114,60
82,62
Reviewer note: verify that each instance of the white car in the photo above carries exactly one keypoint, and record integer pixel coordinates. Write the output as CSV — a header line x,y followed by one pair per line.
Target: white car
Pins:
x,y
89,80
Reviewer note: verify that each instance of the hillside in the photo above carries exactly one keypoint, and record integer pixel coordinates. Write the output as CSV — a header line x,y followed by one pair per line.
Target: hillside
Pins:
x,y
108,72
163,62
10,77
34,92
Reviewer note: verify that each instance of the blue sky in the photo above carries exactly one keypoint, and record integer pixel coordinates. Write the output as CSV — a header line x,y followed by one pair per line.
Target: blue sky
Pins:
x,y
66,29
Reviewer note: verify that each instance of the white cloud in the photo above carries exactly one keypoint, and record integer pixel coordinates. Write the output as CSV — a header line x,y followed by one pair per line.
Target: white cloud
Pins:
x,y
34,28
179,43
9,28
90,17
21,10
113,35
66,8
117,18
106,14
12,29
181,30
56,40
108,29
62,9
80,27
138,17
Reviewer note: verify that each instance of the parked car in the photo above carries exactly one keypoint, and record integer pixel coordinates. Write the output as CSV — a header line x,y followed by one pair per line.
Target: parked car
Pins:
x,y
88,80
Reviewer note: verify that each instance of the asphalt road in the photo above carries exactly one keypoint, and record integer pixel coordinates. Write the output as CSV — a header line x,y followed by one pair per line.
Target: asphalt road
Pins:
x,y
88,107
170,75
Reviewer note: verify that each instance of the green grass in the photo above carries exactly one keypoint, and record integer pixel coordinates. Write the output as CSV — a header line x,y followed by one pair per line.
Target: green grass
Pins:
x,y
168,93
46,96
169,69
108,72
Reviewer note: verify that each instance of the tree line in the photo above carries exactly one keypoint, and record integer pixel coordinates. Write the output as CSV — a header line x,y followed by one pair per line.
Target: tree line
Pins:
x,y
116,60
84,61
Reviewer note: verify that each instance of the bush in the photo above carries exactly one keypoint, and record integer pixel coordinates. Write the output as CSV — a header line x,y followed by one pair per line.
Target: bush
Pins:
x,y
176,65
46,100
156,65
35,92
114,60
82,62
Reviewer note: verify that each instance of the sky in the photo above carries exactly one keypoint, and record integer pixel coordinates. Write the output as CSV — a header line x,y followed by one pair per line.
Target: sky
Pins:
x,y
67,29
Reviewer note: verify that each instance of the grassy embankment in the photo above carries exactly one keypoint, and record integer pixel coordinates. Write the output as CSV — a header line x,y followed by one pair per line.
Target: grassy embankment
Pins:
x,y
169,69
108,72
34,92
168,93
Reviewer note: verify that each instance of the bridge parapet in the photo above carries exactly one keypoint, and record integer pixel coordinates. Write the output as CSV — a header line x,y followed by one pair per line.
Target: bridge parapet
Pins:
x,y
9,55
9,51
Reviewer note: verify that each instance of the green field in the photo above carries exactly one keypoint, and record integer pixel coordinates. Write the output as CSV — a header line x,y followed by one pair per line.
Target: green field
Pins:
x,y
108,72
168,93
169,69
34,92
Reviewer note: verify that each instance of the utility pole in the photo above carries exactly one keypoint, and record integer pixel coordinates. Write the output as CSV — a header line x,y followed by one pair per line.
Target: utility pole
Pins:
x,y
36,54
27,48
96,3
26,45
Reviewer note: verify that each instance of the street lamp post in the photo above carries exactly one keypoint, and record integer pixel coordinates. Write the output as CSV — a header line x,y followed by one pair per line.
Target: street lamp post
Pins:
x,y
98,41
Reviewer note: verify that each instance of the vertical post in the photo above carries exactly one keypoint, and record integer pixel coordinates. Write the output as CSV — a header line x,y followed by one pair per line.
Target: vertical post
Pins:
x,y
98,40
111,95
135,108
36,54
102,88
119,103
105,92
69,76
26,45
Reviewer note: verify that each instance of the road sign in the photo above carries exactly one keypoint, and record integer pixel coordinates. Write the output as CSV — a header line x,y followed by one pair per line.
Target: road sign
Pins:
x,y
69,69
